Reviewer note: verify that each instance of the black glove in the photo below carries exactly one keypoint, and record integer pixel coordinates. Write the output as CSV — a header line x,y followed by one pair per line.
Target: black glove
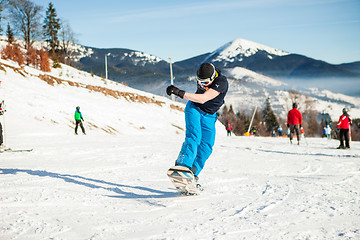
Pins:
x,y
174,90
288,125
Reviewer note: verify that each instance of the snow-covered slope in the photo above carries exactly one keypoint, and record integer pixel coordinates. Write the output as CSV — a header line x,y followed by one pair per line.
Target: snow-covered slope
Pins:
x,y
112,183
46,102
253,77
108,187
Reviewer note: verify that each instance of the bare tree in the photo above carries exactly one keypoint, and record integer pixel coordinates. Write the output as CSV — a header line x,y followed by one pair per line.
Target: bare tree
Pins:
x,y
3,4
67,41
26,18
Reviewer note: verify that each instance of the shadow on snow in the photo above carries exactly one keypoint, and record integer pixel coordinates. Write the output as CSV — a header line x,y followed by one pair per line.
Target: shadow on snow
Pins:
x,y
299,153
119,189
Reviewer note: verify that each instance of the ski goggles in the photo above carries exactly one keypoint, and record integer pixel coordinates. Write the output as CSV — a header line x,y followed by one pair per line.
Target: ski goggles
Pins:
x,y
207,81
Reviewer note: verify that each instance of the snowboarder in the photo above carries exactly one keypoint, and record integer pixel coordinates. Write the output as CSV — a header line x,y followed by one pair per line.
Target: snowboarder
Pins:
x,y
78,120
343,125
294,122
228,128
2,112
200,116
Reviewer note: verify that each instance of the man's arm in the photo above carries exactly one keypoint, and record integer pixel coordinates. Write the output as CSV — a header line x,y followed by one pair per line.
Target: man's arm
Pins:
x,y
203,97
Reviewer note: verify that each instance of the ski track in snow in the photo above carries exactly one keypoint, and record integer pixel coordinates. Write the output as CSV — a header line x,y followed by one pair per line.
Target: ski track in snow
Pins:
x,y
255,188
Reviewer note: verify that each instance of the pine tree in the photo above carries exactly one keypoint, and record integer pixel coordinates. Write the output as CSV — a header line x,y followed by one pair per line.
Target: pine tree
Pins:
x,y
10,34
271,122
51,28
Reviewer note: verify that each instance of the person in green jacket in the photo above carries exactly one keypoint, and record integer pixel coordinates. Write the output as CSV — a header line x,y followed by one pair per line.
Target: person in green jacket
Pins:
x,y
78,120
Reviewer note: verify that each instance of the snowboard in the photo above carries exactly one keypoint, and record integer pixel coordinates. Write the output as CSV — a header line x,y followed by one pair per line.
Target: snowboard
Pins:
x,y
183,179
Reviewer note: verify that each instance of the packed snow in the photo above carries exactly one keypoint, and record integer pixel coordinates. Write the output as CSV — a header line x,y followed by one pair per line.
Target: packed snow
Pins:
x,y
112,183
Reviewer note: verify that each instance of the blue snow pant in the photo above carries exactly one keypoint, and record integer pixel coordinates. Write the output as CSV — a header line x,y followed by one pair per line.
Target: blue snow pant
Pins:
x,y
199,138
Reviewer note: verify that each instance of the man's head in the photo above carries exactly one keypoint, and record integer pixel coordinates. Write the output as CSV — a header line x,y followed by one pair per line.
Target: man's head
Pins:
x,y
206,74
295,105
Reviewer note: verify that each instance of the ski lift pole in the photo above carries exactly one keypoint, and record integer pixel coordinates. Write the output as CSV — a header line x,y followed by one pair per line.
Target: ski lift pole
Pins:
x,y
252,118
106,66
172,79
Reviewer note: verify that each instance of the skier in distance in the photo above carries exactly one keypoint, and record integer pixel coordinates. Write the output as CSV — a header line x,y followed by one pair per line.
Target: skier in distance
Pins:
x,y
78,120
344,125
294,122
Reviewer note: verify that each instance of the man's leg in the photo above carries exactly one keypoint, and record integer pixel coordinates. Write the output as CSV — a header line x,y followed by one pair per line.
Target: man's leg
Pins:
x,y
342,132
76,126
297,130
1,135
347,137
207,142
82,127
189,148
292,127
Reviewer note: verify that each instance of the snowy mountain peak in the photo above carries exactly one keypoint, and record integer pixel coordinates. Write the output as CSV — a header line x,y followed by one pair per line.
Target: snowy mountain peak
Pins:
x,y
243,48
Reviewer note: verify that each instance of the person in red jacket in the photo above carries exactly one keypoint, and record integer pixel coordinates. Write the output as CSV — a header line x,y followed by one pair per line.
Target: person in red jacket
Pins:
x,y
294,122
228,128
344,124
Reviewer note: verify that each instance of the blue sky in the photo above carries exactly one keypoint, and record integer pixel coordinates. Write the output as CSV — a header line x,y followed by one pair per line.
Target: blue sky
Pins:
x,y
328,30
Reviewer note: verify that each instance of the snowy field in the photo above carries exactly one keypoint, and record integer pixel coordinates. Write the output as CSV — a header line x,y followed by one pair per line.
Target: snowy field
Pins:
x,y
115,187
112,182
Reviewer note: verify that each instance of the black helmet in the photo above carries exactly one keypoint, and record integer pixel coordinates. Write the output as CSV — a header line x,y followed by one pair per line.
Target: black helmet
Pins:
x,y
77,108
206,74
295,105
345,110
